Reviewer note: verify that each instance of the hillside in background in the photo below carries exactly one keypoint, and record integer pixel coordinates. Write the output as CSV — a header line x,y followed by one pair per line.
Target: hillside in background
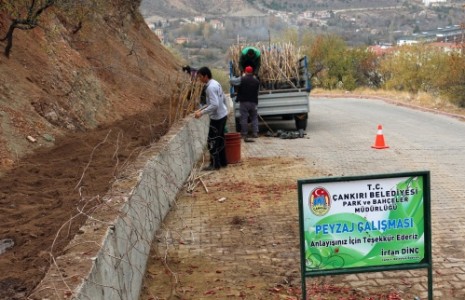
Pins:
x,y
357,22
187,8
184,8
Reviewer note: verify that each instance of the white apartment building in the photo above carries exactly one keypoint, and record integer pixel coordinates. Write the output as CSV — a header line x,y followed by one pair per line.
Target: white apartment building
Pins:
x,y
429,2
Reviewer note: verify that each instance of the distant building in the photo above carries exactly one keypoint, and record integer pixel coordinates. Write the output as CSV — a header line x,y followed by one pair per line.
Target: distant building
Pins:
x,y
181,40
157,23
449,34
217,24
448,47
312,18
415,39
380,50
283,16
431,2
308,14
324,14
161,35
314,15
199,19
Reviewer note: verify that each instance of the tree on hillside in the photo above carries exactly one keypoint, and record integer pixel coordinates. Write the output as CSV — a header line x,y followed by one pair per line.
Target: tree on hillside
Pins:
x,y
325,60
452,80
288,35
301,38
190,29
365,67
413,68
24,16
207,30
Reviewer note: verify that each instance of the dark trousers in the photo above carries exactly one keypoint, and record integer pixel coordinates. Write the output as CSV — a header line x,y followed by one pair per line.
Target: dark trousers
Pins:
x,y
216,143
248,110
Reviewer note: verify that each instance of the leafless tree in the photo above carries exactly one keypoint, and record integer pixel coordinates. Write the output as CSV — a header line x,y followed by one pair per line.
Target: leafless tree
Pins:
x,y
26,20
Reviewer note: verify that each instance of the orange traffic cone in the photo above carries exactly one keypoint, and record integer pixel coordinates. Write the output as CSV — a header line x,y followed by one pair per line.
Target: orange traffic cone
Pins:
x,y
379,142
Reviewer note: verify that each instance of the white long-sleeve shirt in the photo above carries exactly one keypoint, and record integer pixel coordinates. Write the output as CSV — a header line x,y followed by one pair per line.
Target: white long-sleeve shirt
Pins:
x,y
216,106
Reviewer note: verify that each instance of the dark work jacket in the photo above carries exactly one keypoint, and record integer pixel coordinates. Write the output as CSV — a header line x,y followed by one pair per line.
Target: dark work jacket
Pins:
x,y
247,91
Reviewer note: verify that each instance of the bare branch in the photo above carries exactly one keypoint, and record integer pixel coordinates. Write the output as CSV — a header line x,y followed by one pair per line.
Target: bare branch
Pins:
x,y
30,22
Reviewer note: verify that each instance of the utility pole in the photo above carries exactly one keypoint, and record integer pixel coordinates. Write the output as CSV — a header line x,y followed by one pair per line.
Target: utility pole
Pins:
x,y
462,27
269,39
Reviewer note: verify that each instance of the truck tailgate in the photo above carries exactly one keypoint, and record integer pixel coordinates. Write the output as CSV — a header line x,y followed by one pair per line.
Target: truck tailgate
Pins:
x,y
280,104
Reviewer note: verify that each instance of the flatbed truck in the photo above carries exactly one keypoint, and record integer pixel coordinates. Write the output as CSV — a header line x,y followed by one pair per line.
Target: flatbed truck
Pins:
x,y
286,100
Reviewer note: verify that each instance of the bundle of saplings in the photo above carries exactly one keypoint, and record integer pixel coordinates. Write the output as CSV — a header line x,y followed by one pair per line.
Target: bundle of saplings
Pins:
x,y
280,67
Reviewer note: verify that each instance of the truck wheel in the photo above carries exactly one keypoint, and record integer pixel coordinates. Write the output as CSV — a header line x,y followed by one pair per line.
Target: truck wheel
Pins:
x,y
301,121
238,124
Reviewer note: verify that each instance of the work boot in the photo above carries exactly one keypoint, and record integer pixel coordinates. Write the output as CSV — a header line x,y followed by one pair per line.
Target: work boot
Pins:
x,y
254,136
248,140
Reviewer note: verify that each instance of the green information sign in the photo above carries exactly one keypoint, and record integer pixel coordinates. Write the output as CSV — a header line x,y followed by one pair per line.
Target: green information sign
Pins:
x,y
363,224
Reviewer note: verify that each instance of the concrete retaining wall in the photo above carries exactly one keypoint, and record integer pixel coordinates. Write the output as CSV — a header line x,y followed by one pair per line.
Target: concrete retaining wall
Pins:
x,y
107,260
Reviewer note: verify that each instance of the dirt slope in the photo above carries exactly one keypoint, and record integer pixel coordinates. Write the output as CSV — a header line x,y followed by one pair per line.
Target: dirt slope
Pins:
x,y
57,81
92,96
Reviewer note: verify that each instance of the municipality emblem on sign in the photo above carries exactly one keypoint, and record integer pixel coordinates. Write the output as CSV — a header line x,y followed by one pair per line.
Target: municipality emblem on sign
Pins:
x,y
319,201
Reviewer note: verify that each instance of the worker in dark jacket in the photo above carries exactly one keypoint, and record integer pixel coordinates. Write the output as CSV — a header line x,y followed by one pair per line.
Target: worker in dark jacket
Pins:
x,y
250,56
247,96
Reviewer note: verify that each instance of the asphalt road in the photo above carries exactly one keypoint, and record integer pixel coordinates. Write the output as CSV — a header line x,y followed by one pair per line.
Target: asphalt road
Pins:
x,y
339,137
